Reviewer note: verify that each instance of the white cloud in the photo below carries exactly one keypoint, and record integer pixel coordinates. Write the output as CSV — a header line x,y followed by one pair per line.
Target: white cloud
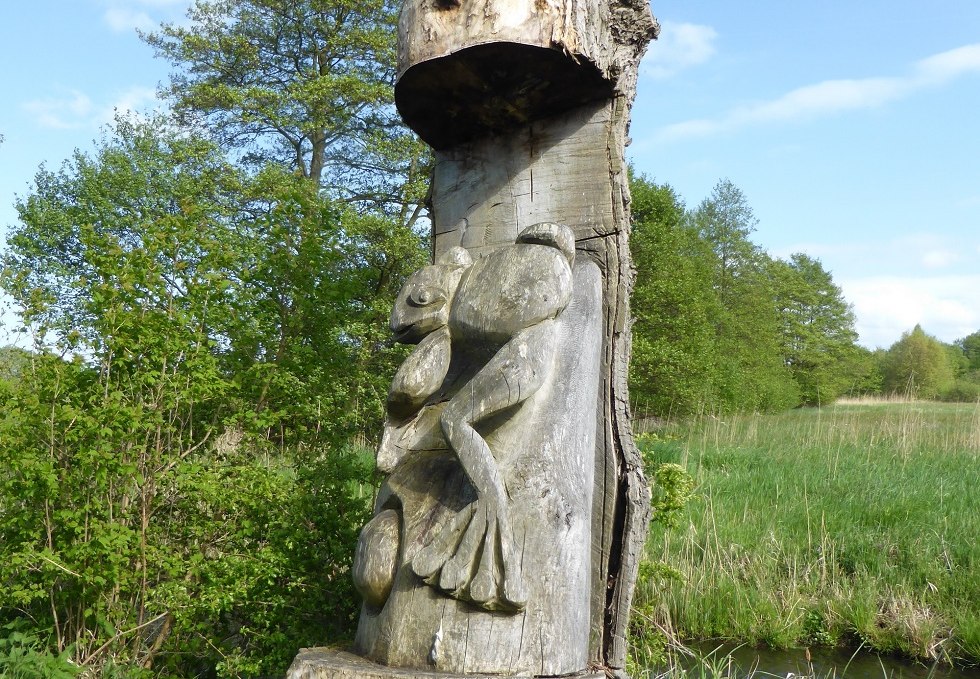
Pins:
x,y
136,99
887,306
62,113
679,46
76,110
948,65
122,19
145,15
937,289
940,259
835,96
903,252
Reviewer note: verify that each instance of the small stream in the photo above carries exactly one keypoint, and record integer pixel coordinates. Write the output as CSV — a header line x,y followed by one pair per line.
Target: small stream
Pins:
x,y
763,663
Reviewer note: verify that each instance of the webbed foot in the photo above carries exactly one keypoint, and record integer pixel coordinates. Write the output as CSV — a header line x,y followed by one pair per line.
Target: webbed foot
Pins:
x,y
473,559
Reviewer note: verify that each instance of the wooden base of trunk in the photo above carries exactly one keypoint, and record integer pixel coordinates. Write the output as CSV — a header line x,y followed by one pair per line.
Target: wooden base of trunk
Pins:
x,y
331,663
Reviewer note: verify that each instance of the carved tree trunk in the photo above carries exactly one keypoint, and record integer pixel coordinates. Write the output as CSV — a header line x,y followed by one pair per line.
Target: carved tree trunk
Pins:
x,y
526,103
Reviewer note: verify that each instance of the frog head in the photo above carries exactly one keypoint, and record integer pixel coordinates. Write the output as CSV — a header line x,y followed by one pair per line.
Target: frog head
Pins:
x,y
424,301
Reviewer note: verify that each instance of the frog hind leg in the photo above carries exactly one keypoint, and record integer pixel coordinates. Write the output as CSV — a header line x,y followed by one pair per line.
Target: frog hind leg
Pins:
x,y
484,563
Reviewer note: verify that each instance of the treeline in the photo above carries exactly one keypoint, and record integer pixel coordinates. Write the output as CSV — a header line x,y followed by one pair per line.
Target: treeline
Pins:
x,y
921,366
721,326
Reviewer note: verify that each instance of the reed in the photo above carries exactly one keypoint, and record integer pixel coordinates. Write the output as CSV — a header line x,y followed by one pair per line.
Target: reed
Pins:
x,y
857,524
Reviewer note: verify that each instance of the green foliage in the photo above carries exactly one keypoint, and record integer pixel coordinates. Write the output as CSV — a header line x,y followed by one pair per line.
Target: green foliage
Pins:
x,y
964,390
673,306
305,85
722,327
751,372
181,499
133,226
290,82
971,350
865,372
917,364
725,220
138,534
817,329
270,550
672,489
24,656
14,361
707,335
311,346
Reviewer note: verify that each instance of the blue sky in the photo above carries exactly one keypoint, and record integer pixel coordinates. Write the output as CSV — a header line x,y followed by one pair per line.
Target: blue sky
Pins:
x,y
851,127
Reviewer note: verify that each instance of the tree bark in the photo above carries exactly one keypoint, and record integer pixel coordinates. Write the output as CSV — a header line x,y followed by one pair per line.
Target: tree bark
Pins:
x,y
533,103
527,104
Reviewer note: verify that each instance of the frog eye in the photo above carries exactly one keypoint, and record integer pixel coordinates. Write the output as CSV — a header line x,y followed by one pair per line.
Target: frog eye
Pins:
x,y
425,296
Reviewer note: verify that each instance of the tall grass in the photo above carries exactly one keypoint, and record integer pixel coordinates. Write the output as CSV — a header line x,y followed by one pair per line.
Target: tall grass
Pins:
x,y
853,524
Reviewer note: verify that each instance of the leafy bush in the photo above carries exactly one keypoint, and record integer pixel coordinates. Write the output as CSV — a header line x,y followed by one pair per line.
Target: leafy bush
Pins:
x,y
23,655
961,391
140,541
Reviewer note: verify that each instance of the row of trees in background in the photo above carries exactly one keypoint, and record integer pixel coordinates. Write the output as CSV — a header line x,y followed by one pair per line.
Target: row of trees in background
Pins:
x,y
722,326
922,366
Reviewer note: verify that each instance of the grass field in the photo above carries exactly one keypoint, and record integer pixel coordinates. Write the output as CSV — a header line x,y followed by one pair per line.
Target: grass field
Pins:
x,y
857,524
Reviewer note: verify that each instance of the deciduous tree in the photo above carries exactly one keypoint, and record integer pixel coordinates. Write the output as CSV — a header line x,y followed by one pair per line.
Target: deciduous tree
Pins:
x,y
305,84
971,349
674,306
817,328
917,364
751,374
137,528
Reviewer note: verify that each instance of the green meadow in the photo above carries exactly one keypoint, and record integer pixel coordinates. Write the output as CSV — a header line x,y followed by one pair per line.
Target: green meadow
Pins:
x,y
856,525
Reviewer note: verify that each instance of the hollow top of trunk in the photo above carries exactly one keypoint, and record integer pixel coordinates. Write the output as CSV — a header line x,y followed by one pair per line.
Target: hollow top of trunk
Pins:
x,y
471,67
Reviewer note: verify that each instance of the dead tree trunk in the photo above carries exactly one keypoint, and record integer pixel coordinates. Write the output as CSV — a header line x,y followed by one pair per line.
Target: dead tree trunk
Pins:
x,y
527,104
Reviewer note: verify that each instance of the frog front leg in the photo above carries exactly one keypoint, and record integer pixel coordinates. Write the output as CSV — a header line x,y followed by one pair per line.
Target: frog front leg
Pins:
x,y
478,559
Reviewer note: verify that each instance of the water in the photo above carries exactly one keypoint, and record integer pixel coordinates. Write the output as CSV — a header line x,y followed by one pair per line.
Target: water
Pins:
x,y
763,663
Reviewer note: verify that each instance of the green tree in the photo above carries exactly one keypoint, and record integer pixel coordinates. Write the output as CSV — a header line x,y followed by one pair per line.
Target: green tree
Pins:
x,y
152,519
866,372
919,364
971,349
817,324
14,362
725,220
302,92
751,374
306,85
312,349
673,306
147,206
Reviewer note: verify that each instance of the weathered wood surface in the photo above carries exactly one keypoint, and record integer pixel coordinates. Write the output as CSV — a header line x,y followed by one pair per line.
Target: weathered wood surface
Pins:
x,y
546,459
571,169
468,67
527,104
329,663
